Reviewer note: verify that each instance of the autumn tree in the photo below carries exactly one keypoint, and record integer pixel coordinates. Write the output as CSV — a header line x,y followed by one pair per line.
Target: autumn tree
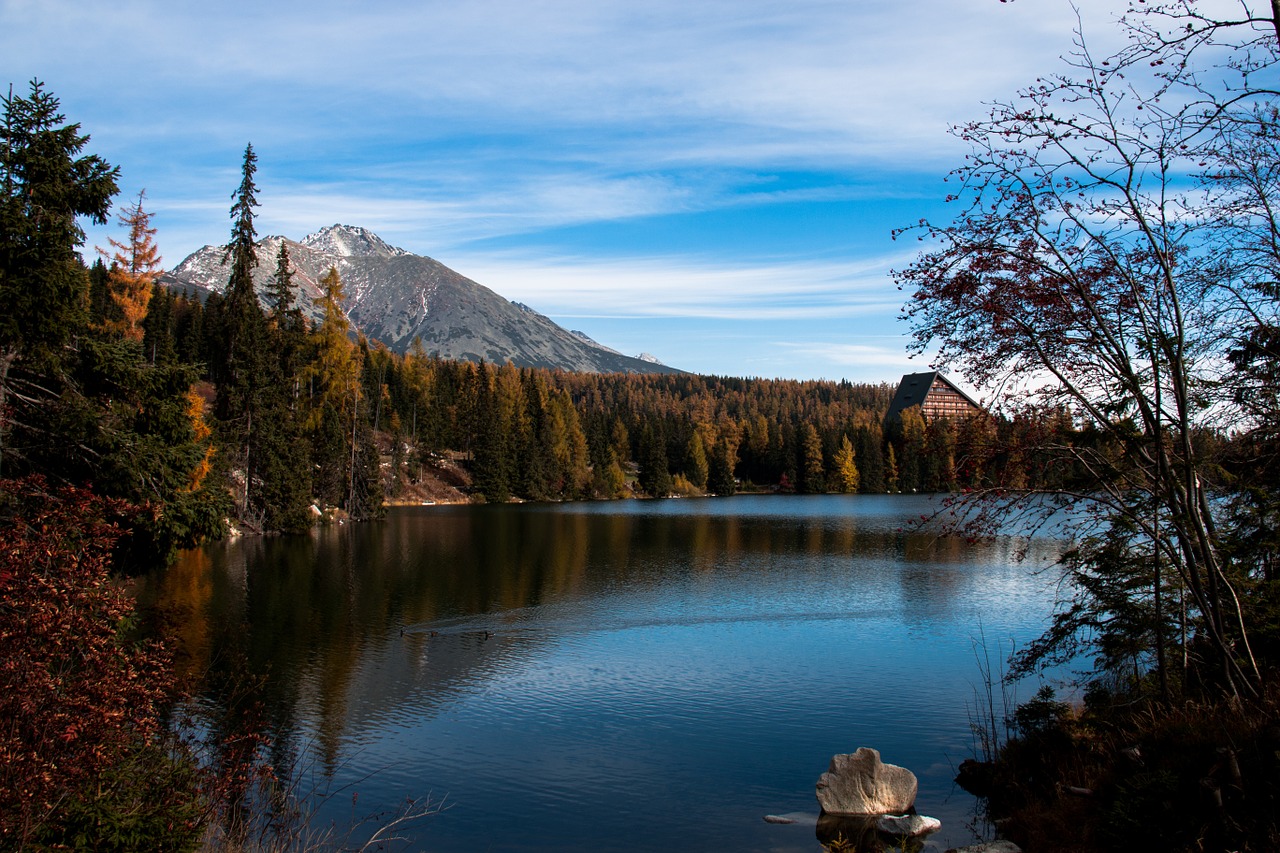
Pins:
x,y
845,476
134,267
344,458
1116,237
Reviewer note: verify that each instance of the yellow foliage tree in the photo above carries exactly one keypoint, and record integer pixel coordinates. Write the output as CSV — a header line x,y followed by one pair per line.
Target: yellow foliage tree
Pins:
x,y
333,377
846,473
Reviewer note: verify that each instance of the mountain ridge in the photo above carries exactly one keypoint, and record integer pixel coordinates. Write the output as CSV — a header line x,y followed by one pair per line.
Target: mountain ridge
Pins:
x,y
395,296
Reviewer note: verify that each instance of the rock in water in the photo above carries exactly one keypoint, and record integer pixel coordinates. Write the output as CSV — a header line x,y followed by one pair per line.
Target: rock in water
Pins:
x,y
861,784
908,825
988,847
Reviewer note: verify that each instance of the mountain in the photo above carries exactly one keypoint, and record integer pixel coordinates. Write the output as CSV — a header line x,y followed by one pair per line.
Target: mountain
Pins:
x,y
395,296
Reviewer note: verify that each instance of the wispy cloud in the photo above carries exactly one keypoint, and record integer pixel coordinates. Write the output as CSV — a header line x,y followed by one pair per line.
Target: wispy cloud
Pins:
x,y
681,287
526,143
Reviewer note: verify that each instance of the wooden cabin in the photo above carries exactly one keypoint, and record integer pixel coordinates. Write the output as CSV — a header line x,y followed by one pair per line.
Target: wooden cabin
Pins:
x,y
935,394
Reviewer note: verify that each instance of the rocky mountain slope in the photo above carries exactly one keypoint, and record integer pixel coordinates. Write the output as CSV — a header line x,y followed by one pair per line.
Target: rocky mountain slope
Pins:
x,y
394,296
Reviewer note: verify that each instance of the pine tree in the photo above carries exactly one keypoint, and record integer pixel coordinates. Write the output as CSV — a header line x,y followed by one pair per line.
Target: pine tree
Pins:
x,y
159,326
869,451
490,465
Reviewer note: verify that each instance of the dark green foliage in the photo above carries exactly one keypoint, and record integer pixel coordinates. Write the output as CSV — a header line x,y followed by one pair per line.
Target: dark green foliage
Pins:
x,y
809,464
720,473
124,426
45,184
868,448
655,473
150,800
491,455
280,293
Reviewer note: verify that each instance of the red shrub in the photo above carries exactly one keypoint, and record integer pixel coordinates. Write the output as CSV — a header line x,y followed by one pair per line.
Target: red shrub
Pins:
x,y
75,695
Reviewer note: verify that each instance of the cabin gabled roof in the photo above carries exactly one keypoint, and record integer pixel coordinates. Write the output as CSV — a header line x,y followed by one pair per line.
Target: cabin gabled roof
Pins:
x,y
914,387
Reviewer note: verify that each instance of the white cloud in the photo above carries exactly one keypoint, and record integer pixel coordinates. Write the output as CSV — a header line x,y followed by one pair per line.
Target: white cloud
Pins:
x,y
686,288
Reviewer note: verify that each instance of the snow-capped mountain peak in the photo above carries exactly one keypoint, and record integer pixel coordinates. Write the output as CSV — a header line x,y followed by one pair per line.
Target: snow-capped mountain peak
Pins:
x,y
350,241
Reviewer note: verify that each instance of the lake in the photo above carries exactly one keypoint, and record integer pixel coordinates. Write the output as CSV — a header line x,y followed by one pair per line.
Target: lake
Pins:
x,y
630,675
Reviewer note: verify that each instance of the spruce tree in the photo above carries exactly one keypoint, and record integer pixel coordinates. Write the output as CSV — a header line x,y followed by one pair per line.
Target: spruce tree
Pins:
x,y
280,291
44,186
812,475
720,473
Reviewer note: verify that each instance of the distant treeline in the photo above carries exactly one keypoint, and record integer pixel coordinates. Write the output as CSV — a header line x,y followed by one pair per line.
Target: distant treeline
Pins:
x,y
552,435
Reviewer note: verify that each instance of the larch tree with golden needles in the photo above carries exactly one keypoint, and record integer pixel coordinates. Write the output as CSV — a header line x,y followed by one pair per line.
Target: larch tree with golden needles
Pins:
x,y
135,265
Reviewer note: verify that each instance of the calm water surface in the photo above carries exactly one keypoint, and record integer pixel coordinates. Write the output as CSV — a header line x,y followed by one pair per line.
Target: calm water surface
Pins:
x,y
638,675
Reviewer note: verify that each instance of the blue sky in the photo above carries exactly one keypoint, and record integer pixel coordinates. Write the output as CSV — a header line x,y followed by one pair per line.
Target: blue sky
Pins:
x,y
713,182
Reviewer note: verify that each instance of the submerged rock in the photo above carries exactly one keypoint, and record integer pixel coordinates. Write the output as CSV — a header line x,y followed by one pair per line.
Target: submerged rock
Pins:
x,y
976,777
988,847
909,825
861,784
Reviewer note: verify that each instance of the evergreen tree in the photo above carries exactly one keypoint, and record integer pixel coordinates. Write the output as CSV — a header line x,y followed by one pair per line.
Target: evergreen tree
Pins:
x,y
102,308
280,292
720,471
695,462
44,186
868,450
940,456
491,475
159,326
812,474
240,404
655,475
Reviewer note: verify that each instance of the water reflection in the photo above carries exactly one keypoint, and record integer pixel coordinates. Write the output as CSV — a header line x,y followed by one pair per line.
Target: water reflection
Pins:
x,y
619,657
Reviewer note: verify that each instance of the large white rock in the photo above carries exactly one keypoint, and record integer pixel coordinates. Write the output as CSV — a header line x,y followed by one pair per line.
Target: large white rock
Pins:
x,y
909,825
860,783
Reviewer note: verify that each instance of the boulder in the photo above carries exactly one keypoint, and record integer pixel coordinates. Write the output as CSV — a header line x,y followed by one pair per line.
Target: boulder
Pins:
x,y
908,825
860,783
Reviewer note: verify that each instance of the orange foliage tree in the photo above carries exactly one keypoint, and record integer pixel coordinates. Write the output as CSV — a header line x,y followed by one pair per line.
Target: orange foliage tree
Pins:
x,y
135,265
